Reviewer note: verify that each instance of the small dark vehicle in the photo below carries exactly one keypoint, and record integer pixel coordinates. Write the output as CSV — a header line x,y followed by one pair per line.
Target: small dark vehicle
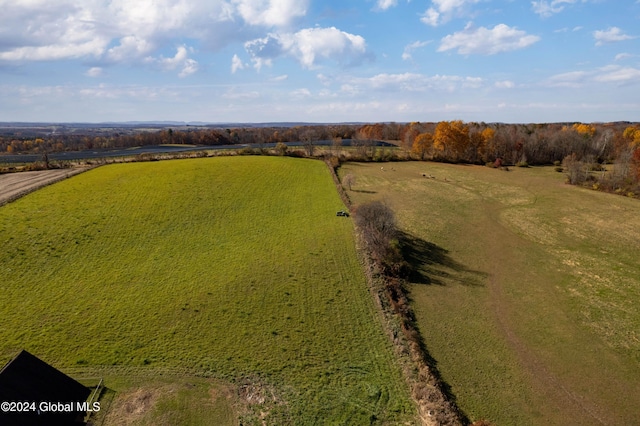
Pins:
x,y
342,213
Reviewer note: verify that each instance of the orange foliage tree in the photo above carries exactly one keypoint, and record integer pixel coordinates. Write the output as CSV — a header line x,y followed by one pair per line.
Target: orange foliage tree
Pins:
x,y
422,144
371,131
452,138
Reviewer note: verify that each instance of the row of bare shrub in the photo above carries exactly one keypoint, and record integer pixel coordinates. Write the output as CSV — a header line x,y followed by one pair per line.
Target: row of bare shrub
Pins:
x,y
379,234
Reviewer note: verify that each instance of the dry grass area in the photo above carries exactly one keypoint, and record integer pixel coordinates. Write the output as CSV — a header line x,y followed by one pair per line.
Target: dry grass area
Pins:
x,y
526,289
193,401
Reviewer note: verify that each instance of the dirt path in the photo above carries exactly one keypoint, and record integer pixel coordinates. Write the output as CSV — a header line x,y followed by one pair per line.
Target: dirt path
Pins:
x,y
15,185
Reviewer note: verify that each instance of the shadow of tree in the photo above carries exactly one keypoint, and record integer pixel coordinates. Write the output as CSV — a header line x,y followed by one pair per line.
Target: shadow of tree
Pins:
x,y
432,264
445,387
364,191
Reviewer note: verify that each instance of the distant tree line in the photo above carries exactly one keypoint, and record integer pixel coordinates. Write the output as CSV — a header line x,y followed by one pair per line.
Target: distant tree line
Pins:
x,y
579,148
452,141
197,136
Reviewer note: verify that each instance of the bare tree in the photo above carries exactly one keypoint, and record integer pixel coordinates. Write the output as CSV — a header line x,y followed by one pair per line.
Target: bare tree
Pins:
x,y
377,222
576,170
336,145
281,148
349,180
309,136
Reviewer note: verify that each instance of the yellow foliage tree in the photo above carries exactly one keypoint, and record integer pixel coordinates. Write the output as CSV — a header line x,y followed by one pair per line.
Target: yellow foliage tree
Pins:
x,y
585,130
422,144
632,134
452,138
488,134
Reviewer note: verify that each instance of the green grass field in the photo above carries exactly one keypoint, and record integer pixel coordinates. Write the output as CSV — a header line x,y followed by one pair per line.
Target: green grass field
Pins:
x,y
526,291
232,268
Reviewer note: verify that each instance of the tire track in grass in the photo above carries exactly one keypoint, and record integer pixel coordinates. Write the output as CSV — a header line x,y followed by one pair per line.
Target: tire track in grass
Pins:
x,y
557,392
510,240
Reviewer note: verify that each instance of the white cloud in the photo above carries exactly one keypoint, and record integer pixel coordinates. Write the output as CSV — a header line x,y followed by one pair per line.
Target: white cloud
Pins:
x,y
264,50
623,56
37,30
349,90
279,78
430,17
232,94
128,31
611,35
53,51
309,46
94,72
144,18
565,30
408,49
617,74
181,60
190,66
573,79
448,6
301,93
505,84
271,13
130,48
613,74
547,8
386,4
412,82
484,41
441,11
236,64
104,91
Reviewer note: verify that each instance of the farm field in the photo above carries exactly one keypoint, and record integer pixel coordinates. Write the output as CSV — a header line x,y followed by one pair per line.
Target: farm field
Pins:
x,y
14,185
525,289
217,275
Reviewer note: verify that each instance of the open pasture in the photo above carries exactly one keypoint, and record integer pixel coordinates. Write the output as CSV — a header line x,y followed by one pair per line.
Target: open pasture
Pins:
x,y
232,268
526,289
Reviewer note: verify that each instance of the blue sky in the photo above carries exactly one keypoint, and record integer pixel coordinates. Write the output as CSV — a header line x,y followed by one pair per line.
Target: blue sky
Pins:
x,y
319,61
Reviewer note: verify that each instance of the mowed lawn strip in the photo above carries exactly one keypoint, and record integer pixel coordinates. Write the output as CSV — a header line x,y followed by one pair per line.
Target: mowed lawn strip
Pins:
x,y
527,290
229,266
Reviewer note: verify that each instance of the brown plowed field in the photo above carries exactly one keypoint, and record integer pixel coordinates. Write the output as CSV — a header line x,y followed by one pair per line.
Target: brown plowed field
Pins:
x,y
15,185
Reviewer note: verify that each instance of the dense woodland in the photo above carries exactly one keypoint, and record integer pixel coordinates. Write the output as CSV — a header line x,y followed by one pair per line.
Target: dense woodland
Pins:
x,y
580,148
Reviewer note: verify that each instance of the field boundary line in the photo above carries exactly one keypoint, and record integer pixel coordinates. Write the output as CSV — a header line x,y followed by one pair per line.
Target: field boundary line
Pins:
x,y
336,180
434,408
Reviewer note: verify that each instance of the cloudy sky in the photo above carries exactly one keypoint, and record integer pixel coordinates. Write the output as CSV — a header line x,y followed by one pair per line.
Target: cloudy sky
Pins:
x,y
319,61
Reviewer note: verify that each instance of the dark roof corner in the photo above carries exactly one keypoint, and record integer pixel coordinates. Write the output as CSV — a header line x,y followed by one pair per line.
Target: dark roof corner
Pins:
x,y
28,379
